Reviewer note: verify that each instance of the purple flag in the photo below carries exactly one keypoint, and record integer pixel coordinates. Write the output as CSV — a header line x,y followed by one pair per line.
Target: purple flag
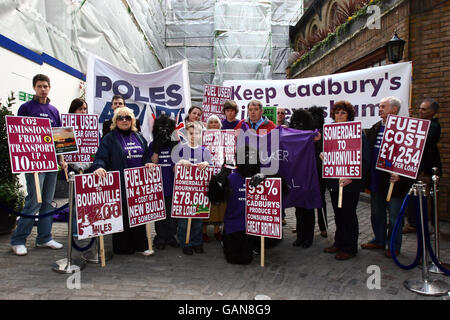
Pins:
x,y
296,158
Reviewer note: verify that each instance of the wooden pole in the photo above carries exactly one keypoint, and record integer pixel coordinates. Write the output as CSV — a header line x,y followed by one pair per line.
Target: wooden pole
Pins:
x,y
149,237
102,250
391,186
66,173
262,251
38,187
341,191
188,233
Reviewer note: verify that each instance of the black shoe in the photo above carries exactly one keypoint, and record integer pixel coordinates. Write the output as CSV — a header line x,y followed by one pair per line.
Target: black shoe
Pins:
x,y
160,246
306,244
174,244
188,251
297,243
198,249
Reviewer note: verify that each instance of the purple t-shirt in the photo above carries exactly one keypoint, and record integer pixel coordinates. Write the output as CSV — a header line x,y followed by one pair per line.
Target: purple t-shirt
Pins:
x,y
132,149
193,155
234,219
229,125
166,164
35,109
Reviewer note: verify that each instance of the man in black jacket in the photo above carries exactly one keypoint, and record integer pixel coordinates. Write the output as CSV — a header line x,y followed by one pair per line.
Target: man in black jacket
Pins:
x,y
430,159
379,183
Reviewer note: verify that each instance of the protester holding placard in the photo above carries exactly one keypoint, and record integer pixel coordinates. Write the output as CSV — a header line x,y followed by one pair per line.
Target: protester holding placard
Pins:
x,y
346,236
38,107
123,148
230,186
78,106
379,184
217,209
160,150
431,159
186,154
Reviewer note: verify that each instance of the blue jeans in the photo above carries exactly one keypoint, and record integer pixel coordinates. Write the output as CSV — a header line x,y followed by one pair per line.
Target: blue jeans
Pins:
x,y
47,181
379,208
195,237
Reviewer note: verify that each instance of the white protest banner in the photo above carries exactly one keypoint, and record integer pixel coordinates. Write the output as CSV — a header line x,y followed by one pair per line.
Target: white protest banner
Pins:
x,y
145,196
86,134
402,146
362,88
342,145
149,95
99,204
213,100
31,146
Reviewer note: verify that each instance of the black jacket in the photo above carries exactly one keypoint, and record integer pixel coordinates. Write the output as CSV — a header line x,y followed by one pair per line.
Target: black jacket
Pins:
x,y
431,156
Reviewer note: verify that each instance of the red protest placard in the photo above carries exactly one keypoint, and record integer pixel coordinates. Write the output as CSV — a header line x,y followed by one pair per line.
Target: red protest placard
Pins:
x,y
222,146
190,189
86,133
31,147
99,204
263,208
145,196
402,146
342,145
213,100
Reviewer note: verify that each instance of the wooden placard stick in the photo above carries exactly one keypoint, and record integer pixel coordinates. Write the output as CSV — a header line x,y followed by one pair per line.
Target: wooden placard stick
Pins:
x,y
391,186
38,187
149,237
341,191
67,174
188,233
262,251
102,250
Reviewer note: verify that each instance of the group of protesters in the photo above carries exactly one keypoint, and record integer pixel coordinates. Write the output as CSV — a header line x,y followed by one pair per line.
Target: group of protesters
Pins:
x,y
123,146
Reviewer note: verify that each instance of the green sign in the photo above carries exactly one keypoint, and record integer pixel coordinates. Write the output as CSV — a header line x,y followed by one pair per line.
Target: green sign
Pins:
x,y
270,113
23,96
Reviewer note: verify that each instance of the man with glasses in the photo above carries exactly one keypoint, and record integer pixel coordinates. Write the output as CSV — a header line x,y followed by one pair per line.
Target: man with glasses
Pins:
x,y
281,117
117,101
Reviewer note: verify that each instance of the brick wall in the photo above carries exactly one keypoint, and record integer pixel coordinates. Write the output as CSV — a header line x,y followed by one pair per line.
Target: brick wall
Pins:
x,y
427,31
429,46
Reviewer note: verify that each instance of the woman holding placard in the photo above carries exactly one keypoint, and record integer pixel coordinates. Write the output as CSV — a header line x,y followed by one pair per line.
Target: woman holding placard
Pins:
x,y
124,147
78,106
347,229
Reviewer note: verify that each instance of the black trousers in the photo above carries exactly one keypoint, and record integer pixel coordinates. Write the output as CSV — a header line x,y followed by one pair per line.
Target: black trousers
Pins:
x,y
347,228
305,224
166,229
322,212
238,247
131,240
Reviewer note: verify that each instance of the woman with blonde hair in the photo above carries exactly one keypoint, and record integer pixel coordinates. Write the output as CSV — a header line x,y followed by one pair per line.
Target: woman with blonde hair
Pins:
x,y
124,147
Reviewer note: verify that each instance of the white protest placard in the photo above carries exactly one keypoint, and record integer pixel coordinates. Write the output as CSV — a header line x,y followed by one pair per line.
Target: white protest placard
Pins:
x,y
99,204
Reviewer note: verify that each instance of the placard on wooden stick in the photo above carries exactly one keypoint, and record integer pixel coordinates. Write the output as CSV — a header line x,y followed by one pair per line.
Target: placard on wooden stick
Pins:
x,y
401,149
342,145
263,210
190,188
31,147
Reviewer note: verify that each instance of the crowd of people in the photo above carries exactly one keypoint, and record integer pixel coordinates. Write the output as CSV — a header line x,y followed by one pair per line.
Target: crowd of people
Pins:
x,y
123,146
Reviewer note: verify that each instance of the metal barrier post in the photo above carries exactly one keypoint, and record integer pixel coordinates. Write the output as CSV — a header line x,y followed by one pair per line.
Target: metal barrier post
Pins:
x,y
69,265
426,286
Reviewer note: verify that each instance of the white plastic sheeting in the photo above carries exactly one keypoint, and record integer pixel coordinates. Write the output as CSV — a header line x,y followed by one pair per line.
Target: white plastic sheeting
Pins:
x,y
221,39
69,29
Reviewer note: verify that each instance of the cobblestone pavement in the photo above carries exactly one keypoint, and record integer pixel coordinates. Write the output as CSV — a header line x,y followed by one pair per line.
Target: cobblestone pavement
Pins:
x,y
290,272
